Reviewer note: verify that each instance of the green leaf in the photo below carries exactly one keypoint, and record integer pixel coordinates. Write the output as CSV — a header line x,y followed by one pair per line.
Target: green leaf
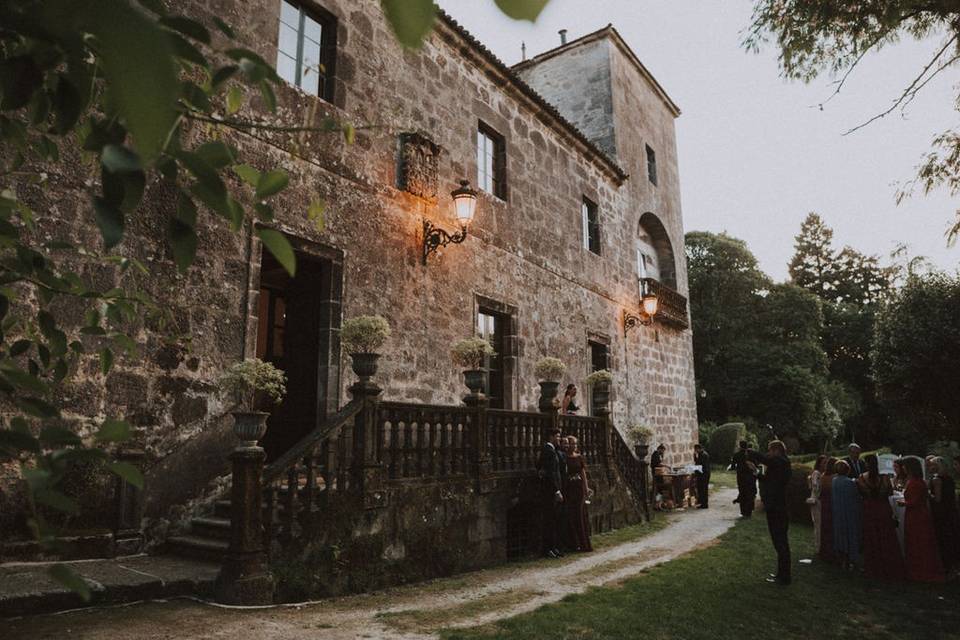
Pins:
x,y
268,95
522,9
120,159
56,500
37,408
225,29
113,431
23,380
279,246
19,78
128,473
223,74
271,182
67,105
185,50
13,442
234,99
264,211
183,243
216,154
106,360
71,580
315,214
187,27
247,173
53,435
138,64
411,20
110,222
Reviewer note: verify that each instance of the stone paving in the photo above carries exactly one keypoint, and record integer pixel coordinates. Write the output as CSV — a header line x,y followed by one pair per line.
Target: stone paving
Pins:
x,y
27,588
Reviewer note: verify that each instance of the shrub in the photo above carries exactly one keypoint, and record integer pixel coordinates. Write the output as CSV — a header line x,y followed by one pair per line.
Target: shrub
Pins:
x,y
470,353
251,379
550,369
599,377
704,432
638,433
724,441
364,334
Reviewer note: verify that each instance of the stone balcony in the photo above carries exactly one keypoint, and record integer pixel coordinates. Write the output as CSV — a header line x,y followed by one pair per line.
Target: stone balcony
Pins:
x,y
672,309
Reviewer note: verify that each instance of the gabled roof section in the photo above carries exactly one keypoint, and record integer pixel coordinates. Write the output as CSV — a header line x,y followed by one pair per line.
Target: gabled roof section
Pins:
x,y
610,32
451,31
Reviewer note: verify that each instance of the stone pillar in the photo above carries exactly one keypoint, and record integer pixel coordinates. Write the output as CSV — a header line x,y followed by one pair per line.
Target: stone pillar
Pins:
x,y
127,535
479,441
245,577
367,468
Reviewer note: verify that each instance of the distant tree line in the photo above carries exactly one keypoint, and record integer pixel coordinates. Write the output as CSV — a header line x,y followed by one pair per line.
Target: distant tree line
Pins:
x,y
847,349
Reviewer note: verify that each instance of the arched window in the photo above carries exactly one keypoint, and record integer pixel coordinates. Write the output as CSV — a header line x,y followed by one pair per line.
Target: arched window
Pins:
x,y
655,252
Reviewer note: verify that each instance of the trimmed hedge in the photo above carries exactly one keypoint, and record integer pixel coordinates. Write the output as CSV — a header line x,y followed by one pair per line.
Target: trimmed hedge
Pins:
x,y
723,441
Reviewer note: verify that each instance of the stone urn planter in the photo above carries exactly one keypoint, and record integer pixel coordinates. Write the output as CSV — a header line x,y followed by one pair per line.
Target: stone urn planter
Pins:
x,y
601,398
548,393
642,449
364,365
475,379
249,426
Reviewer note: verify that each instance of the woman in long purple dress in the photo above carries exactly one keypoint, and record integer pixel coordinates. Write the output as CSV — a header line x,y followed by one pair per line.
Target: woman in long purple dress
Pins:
x,y
882,557
575,492
847,517
826,511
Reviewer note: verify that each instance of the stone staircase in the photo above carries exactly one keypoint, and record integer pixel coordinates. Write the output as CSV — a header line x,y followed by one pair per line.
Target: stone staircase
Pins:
x,y
207,538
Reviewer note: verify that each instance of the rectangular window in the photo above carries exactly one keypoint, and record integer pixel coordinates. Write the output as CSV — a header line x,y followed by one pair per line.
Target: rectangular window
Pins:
x,y
599,359
591,226
651,165
491,326
491,162
306,49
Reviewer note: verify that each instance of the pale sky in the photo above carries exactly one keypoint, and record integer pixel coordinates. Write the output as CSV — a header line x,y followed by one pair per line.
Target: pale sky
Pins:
x,y
756,154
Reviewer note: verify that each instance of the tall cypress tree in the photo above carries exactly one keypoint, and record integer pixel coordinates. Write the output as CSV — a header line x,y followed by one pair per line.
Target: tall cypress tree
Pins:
x,y
812,265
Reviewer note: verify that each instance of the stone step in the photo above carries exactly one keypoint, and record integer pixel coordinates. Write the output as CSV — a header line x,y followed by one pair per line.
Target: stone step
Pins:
x,y
27,588
197,547
211,527
221,509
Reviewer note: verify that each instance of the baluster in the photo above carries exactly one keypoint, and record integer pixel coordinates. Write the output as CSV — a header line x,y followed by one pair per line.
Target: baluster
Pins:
x,y
310,489
391,434
405,428
421,437
290,506
270,511
444,448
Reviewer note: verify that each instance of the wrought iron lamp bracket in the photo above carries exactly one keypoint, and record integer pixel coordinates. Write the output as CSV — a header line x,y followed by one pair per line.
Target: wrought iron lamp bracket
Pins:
x,y
631,321
435,237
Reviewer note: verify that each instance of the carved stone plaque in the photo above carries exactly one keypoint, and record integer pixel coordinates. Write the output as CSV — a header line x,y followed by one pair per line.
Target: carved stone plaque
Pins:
x,y
419,165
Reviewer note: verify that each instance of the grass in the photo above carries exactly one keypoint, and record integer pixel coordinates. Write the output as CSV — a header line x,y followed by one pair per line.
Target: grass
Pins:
x,y
719,593
723,479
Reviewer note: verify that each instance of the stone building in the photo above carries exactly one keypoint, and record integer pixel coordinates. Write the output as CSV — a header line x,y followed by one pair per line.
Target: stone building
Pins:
x,y
574,156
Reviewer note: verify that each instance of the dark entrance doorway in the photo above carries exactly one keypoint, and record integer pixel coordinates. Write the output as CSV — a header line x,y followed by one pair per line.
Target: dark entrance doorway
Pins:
x,y
298,319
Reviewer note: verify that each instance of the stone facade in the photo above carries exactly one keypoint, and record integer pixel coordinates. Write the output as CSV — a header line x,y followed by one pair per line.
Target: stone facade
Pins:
x,y
417,114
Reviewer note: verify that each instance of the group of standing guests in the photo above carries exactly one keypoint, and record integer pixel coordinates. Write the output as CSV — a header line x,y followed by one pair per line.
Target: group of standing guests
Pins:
x,y
855,524
565,494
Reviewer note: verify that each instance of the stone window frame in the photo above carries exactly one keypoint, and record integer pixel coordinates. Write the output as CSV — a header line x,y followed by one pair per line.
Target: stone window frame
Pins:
x,y
499,168
328,45
510,360
651,165
592,242
334,305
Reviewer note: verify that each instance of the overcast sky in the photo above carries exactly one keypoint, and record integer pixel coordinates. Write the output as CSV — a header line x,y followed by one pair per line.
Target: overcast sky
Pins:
x,y
756,154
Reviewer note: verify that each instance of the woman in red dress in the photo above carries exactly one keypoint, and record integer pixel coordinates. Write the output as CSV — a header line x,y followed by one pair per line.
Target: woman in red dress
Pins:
x,y
881,551
919,539
826,512
574,499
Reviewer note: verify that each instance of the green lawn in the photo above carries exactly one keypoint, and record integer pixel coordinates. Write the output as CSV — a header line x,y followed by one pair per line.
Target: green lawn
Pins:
x,y
719,593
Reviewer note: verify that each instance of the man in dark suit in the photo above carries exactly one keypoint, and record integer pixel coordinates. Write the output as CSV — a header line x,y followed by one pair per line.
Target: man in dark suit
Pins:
x,y
746,480
857,466
551,496
773,492
702,458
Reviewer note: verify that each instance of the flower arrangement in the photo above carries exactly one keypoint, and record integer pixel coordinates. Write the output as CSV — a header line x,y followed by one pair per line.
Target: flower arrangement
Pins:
x,y
639,433
549,369
470,353
364,334
599,377
249,378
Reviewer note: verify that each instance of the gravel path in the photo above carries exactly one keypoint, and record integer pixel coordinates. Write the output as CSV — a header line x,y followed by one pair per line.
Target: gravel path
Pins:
x,y
408,613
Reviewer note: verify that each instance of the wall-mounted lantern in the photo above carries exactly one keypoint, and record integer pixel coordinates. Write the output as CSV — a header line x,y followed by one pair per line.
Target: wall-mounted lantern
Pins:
x,y
649,305
464,208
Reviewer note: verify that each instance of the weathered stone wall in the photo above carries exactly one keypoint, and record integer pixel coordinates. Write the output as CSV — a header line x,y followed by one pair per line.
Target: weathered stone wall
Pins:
x,y
524,252
347,549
